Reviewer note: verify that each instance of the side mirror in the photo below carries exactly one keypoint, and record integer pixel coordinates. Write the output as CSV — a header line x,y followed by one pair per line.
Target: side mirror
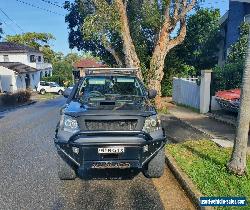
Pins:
x,y
66,94
152,94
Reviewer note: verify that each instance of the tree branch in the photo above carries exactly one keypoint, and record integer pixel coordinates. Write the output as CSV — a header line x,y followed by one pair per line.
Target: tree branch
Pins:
x,y
107,45
181,36
186,8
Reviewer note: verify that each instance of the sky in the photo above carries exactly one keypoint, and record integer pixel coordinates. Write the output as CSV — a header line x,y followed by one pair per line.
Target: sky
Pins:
x,y
19,16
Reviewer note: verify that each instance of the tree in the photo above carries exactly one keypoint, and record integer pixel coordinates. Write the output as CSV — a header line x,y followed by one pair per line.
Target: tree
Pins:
x,y
131,58
200,46
238,50
103,39
198,51
107,26
158,30
237,163
39,41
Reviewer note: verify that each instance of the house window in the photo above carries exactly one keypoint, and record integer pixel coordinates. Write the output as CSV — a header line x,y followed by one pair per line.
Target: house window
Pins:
x,y
5,58
32,59
39,58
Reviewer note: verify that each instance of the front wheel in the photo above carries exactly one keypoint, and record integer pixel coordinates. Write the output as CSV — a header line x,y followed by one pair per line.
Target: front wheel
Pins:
x,y
155,167
65,170
42,91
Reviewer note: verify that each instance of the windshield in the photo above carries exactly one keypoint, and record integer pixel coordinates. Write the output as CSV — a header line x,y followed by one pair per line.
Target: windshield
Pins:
x,y
100,86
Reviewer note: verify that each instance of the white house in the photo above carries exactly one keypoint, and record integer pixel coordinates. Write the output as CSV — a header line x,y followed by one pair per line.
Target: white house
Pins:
x,y
21,67
16,76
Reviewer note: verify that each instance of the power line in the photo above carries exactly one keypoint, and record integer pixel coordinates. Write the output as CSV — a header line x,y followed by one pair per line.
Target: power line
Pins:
x,y
49,2
12,20
2,21
41,8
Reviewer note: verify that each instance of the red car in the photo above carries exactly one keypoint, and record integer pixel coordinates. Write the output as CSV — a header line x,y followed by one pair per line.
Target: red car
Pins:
x,y
229,99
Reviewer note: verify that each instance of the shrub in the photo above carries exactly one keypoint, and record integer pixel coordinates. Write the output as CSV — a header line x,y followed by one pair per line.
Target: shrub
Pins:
x,y
228,77
16,98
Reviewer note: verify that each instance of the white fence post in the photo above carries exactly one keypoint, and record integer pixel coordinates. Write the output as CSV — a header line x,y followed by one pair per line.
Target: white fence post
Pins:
x,y
205,91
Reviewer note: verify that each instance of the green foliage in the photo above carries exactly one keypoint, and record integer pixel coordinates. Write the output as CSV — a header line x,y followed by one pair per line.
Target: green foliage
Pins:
x,y
206,164
85,14
201,43
175,67
39,41
63,66
239,49
32,39
228,76
62,72
197,52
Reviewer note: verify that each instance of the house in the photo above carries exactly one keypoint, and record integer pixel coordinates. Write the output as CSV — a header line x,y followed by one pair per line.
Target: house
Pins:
x,y
21,67
80,66
239,12
16,76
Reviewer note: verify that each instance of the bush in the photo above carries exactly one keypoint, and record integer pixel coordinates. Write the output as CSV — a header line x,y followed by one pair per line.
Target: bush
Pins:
x,y
228,77
16,98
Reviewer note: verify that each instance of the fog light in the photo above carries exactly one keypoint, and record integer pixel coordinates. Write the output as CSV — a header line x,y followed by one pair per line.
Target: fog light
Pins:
x,y
145,148
75,150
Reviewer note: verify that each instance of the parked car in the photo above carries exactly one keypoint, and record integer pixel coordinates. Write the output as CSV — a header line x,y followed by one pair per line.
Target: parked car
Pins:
x,y
49,87
68,90
109,122
229,99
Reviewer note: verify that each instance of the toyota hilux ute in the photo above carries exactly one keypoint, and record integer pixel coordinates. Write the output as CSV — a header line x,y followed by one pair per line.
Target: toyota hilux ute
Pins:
x,y
109,122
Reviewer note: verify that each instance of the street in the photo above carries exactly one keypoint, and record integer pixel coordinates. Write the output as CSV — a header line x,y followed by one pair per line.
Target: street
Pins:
x,y
29,177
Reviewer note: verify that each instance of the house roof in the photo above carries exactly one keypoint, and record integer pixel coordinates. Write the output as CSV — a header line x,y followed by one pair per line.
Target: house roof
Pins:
x,y
14,47
89,63
18,67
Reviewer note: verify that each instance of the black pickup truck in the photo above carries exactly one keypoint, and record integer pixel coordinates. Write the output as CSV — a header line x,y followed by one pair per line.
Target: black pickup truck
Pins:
x,y
108,122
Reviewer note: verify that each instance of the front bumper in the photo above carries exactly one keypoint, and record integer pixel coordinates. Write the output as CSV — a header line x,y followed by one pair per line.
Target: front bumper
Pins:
x,y
82,148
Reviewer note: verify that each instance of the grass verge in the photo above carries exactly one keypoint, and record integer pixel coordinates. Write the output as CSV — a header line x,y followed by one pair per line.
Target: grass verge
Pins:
x,y
205,163
46,96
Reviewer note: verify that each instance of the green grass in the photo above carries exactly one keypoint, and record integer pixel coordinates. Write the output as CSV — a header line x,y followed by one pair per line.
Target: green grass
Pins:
x,y
205,163
46,96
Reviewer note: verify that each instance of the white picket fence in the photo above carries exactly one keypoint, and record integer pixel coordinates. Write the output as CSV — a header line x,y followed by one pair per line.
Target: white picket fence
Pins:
x,y
186,92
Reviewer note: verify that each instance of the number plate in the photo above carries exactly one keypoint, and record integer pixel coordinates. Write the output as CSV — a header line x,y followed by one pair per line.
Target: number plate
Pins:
x,y
111,150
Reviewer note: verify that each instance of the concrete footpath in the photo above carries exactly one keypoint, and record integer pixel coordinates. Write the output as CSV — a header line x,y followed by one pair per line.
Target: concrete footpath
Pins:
x,y
221,133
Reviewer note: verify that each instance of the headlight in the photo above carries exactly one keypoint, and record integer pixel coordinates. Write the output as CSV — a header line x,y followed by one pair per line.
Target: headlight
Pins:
x,y
151,124
69,124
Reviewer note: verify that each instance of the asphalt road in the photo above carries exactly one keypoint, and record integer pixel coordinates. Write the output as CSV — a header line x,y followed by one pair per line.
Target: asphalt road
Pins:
x,y
28,177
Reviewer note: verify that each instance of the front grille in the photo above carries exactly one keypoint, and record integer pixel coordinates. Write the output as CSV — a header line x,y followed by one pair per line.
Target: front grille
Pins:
x,y
111,125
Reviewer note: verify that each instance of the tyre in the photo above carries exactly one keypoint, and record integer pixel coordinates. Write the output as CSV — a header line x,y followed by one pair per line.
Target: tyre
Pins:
x,y
155,167
60,92
65,170
42,91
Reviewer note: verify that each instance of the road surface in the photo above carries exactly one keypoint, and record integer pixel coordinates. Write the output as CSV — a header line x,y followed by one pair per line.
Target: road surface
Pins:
x,y
28,177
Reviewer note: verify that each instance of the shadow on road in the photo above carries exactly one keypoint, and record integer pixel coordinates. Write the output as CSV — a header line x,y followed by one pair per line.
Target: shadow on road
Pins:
x,y
108,174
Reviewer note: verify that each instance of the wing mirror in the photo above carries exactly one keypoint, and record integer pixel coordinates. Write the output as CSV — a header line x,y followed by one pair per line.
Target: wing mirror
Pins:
x,y
152,94
66,94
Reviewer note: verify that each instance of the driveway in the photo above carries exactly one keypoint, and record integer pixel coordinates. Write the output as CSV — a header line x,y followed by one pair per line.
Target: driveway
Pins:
x,y
29,179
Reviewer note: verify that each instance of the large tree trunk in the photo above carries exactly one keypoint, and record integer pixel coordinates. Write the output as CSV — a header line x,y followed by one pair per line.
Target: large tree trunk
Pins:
x,y
237,163
164,45
131,58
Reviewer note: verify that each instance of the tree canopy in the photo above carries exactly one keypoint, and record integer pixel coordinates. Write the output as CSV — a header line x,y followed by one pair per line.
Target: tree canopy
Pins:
x,y
40,41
